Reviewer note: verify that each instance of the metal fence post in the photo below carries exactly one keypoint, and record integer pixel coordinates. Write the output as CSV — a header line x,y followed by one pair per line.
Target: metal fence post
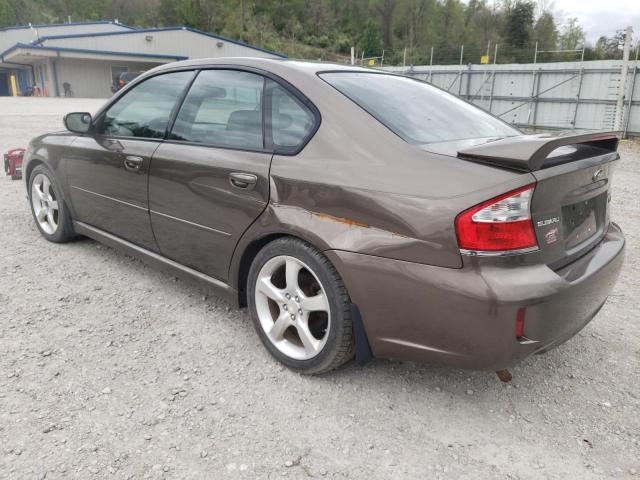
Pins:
x,y
493,77
534,81
575,112
535,89
631,89
431,64
535,105
460,71
624,71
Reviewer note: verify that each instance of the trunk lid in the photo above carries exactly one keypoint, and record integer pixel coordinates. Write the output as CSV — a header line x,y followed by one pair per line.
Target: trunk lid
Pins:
x,y
570,208
570,204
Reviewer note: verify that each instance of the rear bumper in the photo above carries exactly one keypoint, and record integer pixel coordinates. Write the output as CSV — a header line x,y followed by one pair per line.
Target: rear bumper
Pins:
x,y
466,317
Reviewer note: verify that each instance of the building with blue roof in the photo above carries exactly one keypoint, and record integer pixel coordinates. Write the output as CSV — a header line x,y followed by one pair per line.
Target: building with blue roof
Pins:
x,y
86,59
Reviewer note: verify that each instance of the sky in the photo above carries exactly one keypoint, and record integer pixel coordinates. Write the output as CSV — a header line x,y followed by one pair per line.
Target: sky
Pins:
x,y
600,17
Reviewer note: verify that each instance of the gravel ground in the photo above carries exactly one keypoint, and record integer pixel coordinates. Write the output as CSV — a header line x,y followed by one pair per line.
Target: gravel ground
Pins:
x,y
109,368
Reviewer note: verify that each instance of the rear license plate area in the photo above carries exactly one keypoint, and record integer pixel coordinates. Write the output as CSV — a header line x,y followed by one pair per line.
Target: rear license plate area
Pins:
x,y
582,220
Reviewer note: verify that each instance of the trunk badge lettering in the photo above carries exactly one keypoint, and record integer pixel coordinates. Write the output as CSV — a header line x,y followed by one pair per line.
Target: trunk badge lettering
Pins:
x,y
548,221
551,236
597,175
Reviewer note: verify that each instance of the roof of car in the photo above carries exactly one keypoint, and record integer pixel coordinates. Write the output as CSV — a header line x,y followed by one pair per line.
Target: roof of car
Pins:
x,y
265,64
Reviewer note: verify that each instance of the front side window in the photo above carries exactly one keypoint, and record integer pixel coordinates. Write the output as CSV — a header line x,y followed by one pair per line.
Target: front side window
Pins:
x,y
145,110
291,121
416,111
223,108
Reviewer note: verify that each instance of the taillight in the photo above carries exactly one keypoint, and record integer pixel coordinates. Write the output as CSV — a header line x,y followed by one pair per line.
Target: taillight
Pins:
x,y
500,224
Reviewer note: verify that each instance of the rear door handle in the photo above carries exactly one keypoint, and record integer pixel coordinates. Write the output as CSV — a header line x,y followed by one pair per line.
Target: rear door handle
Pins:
x,y
133,163
246,181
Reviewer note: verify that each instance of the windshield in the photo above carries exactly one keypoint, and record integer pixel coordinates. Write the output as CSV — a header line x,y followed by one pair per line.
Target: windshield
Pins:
x,y
416,111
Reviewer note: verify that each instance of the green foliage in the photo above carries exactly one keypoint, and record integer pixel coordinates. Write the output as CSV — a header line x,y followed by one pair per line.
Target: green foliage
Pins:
x,y
369,41
545,32
327,29
572,36
7,13
519,24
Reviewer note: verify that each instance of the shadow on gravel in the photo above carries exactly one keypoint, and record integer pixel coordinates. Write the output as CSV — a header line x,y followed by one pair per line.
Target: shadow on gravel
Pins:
x,y
376,374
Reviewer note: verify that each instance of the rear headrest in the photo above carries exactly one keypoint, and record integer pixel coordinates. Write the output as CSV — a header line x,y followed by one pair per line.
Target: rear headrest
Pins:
x,y
282,121
245,119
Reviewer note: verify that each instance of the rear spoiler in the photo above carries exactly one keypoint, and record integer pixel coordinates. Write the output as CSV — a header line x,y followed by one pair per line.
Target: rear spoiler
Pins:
x,y
529,152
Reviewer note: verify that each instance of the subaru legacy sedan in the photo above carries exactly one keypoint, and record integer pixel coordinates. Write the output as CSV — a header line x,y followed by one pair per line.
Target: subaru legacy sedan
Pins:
x,y
355,212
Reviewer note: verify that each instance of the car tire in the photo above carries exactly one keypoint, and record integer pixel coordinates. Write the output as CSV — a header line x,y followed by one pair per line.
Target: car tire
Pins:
x,y
49,211
300,307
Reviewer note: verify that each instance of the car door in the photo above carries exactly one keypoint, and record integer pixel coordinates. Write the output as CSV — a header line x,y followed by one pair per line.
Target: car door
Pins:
x,y
210,179
107,169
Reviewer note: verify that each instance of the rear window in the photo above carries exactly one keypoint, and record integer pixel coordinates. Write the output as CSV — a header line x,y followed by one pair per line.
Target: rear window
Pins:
x,y
416,111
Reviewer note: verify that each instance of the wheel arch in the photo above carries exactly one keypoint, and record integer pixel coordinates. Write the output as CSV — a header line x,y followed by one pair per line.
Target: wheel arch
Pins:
x,y
240,273
31,165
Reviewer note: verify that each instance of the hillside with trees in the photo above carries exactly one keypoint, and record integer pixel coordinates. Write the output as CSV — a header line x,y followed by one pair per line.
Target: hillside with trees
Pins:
x,y
406,30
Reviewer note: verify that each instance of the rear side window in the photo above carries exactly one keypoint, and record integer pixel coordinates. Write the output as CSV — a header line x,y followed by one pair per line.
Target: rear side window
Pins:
x,y
291,122
145,110
416,111
223,108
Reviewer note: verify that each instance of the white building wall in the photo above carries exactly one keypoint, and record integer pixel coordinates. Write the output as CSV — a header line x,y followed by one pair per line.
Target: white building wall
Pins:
x,y
166,42
89,78
8,38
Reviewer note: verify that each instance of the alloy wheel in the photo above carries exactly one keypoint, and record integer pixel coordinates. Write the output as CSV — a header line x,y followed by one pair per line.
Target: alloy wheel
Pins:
x,y
44,203
292,307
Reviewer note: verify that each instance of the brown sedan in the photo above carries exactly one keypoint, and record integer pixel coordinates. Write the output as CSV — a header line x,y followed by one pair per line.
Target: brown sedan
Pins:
x,y
355,212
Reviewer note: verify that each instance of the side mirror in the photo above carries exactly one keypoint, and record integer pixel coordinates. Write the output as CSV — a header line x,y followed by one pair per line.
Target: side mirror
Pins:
x,y
78,122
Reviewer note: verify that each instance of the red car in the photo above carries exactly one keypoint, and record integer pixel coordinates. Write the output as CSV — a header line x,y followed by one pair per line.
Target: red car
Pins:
x,y
13,163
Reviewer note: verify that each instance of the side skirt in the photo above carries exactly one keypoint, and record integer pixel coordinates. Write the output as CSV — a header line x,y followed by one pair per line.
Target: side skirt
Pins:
x,y
156,260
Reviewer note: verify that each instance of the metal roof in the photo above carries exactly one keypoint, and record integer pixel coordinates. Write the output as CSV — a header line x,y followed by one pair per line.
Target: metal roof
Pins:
x,y
165,29
26,46
47,25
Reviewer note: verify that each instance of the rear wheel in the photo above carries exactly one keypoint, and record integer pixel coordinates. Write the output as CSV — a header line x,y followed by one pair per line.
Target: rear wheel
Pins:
x,y
48,208
300,307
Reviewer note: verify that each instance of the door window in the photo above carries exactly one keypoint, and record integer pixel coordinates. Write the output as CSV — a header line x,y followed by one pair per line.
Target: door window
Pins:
x,y
223,108
291,122
145,110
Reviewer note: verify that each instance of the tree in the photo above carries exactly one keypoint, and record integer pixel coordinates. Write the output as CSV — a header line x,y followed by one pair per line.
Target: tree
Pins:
x,y
545,32
413,14
7,14
519,24
572,36
385,9
369,41
326,29
481,23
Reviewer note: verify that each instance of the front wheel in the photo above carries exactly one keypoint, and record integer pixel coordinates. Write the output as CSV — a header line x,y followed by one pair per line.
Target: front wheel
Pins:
x,y
48,208
300,307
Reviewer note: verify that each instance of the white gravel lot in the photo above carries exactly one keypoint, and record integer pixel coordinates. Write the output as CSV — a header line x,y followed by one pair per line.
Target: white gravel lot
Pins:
x,y
109,369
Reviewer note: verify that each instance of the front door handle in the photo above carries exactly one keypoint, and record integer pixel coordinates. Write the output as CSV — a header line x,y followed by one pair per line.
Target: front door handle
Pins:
x,y
245,181
133,163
